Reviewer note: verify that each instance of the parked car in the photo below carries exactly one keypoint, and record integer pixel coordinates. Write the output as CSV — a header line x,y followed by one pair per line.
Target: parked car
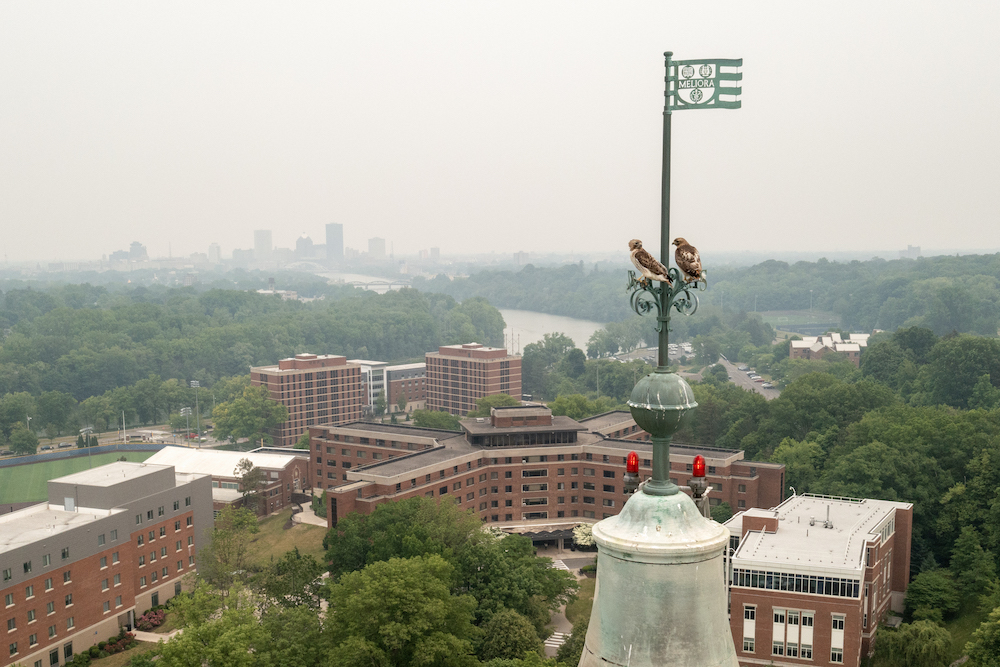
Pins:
x,y
46,448
767,385
743,368
64,445
758,379
4,452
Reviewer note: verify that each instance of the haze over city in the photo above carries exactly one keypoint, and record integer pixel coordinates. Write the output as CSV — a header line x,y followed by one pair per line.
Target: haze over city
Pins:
x,y
477,127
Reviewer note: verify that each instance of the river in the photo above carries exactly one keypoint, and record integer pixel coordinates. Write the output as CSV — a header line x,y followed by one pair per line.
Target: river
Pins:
x,y
526,326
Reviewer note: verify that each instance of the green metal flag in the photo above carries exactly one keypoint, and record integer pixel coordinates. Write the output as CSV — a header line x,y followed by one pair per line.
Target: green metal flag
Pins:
x,y
711,83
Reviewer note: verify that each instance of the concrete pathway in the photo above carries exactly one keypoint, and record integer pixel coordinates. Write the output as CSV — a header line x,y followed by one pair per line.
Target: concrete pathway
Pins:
x,y
556,640
154,637
308,516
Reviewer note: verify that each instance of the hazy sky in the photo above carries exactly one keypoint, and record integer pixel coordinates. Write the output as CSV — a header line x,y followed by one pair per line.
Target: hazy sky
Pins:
x,y
493,125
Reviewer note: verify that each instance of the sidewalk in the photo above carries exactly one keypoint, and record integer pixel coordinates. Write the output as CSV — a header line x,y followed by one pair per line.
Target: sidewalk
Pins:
x,y
154,637
308,516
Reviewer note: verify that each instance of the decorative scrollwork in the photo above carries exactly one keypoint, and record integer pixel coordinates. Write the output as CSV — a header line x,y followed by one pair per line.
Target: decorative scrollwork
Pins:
x,y
677,294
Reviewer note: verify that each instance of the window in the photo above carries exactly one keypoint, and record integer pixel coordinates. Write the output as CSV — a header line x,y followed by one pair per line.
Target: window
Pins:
x,y
575,485
793,618
750,613
560,471
100,540
107,606
142,582
777,648
177,546
837,655
138,519
163,552
588,500
13,648
807,651
27,567
609,488
70,623
807,620
52,633
48,584
114,557
190,540
29,592
31,616
188,524
508,489
608,502
154,577
177,526
141,540
9,599
152,535
166,573
508,474
50,608
104,562
104,585
11,624
142,561
779,615
67,577
118,601
792,650
609,473
163,531
118,580
588,472
742,488
589,486
741,504
149,515
69,599
187,502
33,641
838,622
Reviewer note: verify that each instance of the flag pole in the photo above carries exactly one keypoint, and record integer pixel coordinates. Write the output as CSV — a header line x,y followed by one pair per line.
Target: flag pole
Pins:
x,y
662,356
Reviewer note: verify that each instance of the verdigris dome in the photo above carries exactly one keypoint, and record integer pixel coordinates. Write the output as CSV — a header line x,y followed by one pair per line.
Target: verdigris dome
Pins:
x,y
660,401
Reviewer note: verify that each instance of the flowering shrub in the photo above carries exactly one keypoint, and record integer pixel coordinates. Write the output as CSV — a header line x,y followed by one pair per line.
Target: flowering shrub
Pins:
x,y
122,642
151,619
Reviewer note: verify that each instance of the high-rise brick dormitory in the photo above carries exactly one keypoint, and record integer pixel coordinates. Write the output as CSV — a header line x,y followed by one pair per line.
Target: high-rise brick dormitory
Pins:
x,y
521,465
110,543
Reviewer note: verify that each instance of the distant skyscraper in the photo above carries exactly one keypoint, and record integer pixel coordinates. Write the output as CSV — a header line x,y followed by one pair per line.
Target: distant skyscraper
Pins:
x,y
435,253
376,247
334,241
214,253
262,244
303,247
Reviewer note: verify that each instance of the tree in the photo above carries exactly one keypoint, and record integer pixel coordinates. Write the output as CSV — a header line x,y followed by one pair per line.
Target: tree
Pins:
x,y
934,590
249,415
972,567
917,644
292,581
54,411
984,647
802,460
571,650
508,635
23,441
434,419
303,441
722,512
485,404
401,401
227,559
380,404
251,480
232,640
398,613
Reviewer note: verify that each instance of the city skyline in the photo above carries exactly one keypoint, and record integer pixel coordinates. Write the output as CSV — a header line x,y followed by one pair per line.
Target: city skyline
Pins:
x,y
428,125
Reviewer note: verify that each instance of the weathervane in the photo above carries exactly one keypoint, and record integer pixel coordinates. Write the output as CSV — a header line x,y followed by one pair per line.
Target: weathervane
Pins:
x,y
661,399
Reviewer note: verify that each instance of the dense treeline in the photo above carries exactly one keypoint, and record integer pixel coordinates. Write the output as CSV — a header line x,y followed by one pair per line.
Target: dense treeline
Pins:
x,y
64,344
939,293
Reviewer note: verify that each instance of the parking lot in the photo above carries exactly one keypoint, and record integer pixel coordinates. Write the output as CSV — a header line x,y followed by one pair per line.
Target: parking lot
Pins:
x,y
741,379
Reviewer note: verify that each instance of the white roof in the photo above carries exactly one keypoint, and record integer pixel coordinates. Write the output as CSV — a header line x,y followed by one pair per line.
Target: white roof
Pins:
x,y
42,522
215,462
847,347
799,547
800,344
225,495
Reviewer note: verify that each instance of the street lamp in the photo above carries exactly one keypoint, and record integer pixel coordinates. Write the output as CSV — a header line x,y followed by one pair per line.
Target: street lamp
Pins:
x,y
186,412
196,385
86,431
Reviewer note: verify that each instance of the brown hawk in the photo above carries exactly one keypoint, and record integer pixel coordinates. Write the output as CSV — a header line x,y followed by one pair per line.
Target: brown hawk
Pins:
x,y
688,260
648,266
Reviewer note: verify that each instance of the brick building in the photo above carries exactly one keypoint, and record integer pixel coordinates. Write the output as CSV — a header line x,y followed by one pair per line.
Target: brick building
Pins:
x,y
409,380
815,347
316,389
812,577
110,543
285,472
520,466
459,374
372,381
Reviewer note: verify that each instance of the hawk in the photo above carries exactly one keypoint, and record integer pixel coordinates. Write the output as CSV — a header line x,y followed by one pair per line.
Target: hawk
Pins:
x,y
647,264
688,260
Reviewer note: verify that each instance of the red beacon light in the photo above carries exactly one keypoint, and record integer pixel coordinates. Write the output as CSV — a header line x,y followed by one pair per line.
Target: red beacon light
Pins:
x,y
631,478
632,463
698,467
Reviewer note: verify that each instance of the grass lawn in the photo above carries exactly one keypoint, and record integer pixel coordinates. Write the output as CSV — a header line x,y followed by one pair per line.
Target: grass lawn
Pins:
x,y
26,483
122,659
581,606
961,629
274,541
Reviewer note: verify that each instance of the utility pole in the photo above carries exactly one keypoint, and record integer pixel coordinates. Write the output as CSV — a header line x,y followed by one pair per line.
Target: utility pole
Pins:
x,y
196,385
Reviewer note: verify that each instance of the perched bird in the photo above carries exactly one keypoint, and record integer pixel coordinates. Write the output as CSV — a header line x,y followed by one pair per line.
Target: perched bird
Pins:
x,y
688,260
648,266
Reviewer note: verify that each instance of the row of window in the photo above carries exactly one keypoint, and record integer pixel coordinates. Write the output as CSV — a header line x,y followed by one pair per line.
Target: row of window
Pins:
x,y
798,583
161,510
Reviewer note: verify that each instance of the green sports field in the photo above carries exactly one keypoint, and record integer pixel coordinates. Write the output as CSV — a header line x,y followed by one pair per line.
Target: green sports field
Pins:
x,y
19,484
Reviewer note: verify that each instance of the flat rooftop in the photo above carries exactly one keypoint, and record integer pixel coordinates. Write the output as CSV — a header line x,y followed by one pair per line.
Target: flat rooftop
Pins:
x,y
607,420
43,521
484,427
215,462
796,544
112,473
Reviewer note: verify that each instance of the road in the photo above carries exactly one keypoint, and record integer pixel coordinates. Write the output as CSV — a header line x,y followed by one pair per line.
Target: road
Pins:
x,y
740,379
